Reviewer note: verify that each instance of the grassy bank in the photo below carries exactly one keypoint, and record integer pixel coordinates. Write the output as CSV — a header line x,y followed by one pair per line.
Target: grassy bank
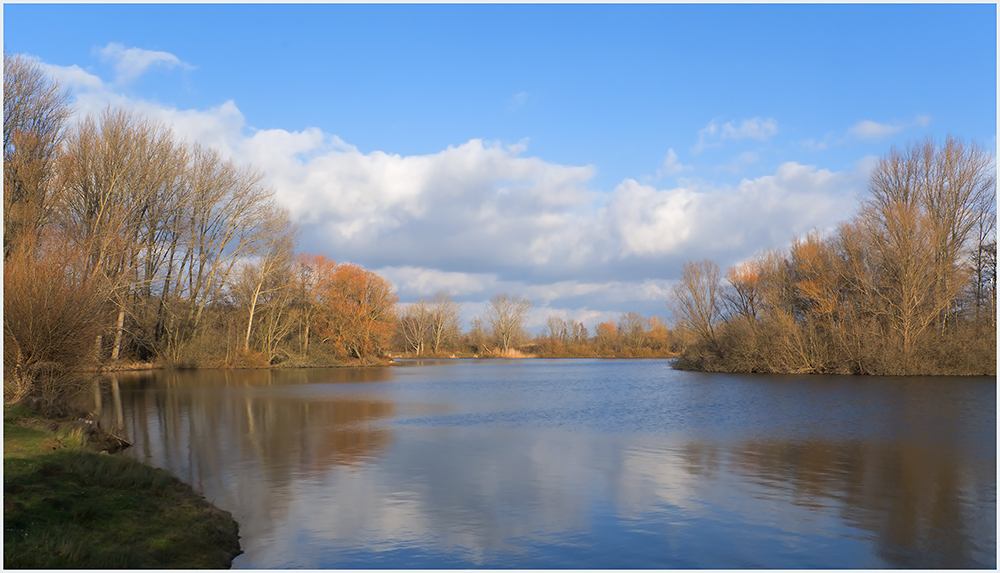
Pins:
x,y
68,507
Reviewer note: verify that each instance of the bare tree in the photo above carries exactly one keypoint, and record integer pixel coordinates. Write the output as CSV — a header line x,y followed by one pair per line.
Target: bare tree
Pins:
x,y
558,329
444,323
415,323
938,191
919,228
229,219
114,179
506,316
742,296
275,259
632,330
694,300
35,109
983,257
476,337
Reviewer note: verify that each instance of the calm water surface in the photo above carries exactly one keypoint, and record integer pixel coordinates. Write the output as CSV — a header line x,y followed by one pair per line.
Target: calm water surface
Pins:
x,y
578,464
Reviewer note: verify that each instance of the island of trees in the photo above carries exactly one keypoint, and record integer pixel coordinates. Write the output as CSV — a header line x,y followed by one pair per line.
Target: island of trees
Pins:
x,y
907,286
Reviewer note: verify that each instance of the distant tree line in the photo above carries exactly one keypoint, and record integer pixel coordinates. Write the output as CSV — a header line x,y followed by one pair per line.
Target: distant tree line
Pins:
x,y
432,328
123,242
907,286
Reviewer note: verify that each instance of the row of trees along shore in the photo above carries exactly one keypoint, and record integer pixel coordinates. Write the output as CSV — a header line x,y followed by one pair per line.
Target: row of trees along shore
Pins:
x,y
124,243
432,328
907,286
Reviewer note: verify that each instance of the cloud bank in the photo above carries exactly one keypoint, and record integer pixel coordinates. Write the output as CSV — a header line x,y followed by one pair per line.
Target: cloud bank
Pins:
x,y
482,217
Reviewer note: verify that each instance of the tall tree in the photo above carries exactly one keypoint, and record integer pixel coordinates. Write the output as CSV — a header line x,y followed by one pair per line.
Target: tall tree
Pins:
x,y
313,276
632,330
558,329
742,297
506,315
695,299
444,323
920,220
269,274
35,109
415,324
114,177
359,312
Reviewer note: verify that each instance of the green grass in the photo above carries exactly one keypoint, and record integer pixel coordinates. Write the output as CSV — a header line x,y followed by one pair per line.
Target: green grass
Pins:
x,y
66,507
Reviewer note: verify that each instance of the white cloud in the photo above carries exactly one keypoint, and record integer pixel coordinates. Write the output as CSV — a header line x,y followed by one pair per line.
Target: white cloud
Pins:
x,y
130,63
756,214
648,221
73,77
871,130
671,165
757,129
868,129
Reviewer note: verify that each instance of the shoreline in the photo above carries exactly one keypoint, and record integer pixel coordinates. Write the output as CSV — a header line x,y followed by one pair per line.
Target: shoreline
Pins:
x,y
68,506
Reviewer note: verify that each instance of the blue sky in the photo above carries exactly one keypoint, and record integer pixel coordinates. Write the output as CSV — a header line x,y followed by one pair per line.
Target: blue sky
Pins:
x,y
574,154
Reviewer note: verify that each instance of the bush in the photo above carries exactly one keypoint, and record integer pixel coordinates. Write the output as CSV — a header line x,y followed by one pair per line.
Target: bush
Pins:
x,y
51,321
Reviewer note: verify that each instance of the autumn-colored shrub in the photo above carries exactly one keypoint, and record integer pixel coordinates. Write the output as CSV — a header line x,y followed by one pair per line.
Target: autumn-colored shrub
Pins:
x,y
51,321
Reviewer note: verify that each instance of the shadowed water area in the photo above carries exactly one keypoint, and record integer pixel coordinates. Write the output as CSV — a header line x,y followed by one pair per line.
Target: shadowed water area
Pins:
x,y
577,464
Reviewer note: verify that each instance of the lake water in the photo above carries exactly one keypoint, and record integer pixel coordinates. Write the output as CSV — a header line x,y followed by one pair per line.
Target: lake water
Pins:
x,y
577,464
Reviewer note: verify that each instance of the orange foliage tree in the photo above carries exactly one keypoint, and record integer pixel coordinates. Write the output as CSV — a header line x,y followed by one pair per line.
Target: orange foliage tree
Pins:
x,y
658,336
356,311
606,337
817,279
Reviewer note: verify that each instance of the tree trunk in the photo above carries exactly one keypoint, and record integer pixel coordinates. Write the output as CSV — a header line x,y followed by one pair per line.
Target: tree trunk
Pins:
x,y
120,327
253,306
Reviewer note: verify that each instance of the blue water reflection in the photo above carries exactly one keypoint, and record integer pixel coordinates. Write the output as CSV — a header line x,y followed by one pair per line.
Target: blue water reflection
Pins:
x,y
580,464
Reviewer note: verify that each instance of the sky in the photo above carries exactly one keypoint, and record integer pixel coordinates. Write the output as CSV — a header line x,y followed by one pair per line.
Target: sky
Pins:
x,y
575,155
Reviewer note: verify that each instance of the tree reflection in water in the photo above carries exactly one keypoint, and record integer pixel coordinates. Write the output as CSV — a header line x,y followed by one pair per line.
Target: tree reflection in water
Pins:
x,y
226,432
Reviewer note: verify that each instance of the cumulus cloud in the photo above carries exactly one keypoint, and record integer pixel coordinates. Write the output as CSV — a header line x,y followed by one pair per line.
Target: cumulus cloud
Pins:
x,y
130,63
757,129
872,130
755,214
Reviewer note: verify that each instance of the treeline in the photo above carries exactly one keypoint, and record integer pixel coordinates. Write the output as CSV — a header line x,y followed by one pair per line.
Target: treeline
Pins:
x,y
633,336
907,286
123,242
432,328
